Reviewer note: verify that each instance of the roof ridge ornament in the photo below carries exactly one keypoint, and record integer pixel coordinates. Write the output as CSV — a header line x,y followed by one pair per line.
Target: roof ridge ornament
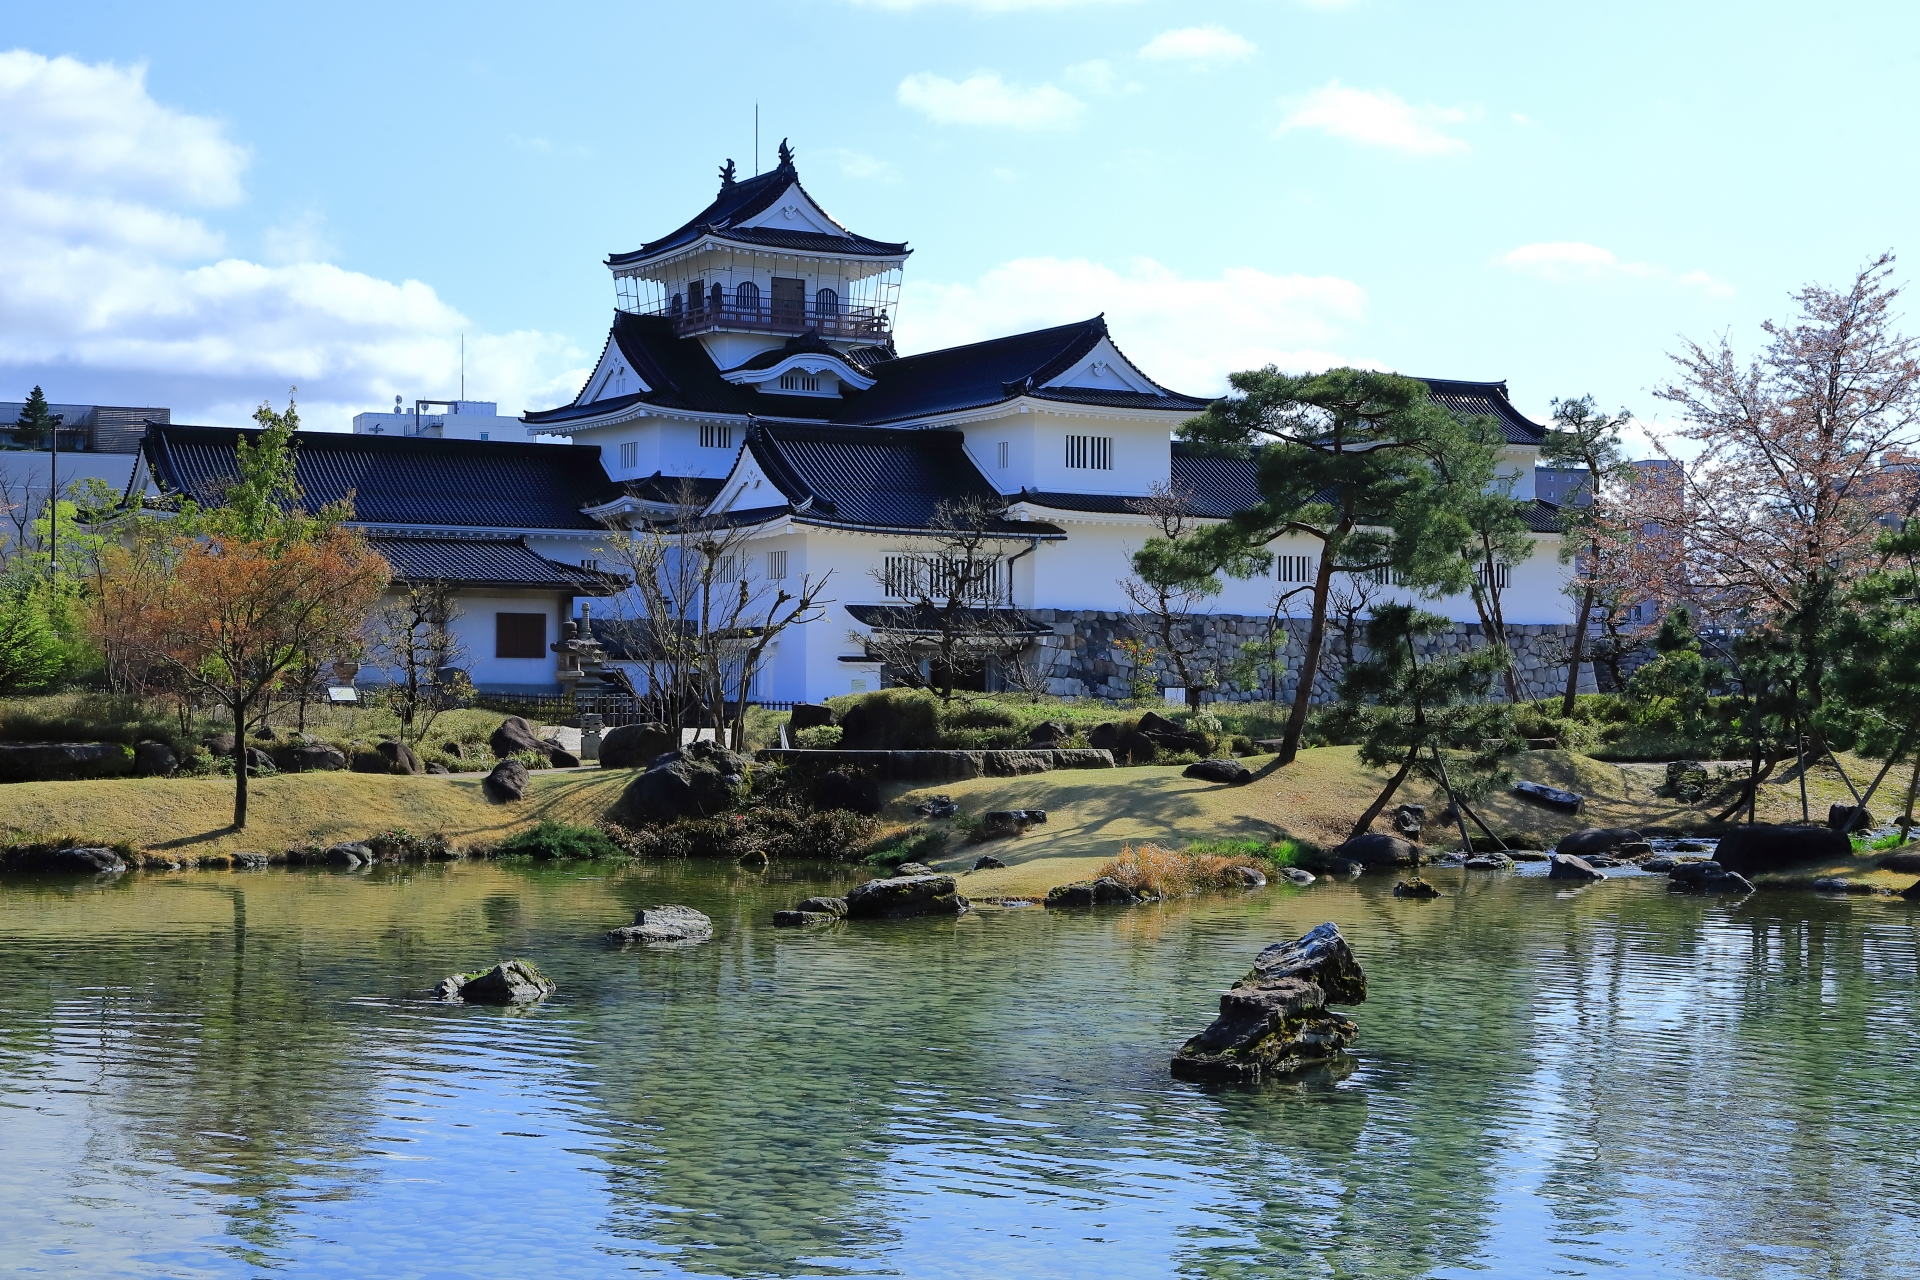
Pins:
x,y
727,174
786,155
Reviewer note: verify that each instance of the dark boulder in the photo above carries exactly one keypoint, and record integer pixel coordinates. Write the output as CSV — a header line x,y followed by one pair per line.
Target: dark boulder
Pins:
x,y
1906,861
400,757
1489,862
1298,875
1846,817
1765,847
851,790
1247,877
437,769
561,758
1135,748
347,853
1231,772
259,762
987,862
86,860
1104,892
1408,819
1592,840
509,982
365,761
1048,732
1081,758
309,757
696,781
914,869
809,715
832,906
1376,850
635,746
1275,1020
507,782
153,760
937,807
1105,737
899,896
797,919
63,761
1552,797
1005,824
1016,764
665,924
221,744
1168,736
1415,888
1567,866
513,737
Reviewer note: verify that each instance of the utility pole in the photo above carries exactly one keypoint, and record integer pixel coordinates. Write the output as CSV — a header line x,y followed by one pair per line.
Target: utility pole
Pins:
x,y
53,500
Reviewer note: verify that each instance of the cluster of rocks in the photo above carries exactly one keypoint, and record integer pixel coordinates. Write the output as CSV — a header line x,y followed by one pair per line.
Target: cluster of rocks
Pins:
x,y
1143,743
1275,1020
922,892
699,780
508,982
1007,824
1104,892
670,924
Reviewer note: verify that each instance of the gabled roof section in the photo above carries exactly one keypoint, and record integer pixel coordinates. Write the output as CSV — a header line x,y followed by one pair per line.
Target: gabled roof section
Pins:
x,y
489,562
400,480
1485,400
749,211
872,478
998,370
1220,486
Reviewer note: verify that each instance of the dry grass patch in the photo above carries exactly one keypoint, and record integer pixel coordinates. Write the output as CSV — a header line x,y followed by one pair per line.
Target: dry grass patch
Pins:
x,y
1172,873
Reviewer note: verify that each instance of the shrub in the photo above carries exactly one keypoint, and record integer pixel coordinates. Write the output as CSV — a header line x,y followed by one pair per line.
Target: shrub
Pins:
x,y
821,737
403,844
1275,853
559,841
781,832
1153,868
896,845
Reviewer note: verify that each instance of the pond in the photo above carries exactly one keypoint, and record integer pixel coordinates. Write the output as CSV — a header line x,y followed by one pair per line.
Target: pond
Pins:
x,y
230,1074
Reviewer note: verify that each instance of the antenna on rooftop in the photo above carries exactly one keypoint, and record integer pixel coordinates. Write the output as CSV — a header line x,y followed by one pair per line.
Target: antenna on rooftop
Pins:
x,y
463,366
756,139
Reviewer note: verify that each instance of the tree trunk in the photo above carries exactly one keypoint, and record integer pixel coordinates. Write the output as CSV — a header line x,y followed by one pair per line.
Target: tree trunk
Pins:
x,y
1579,651
1380,801
1310,660
1193,697
239,766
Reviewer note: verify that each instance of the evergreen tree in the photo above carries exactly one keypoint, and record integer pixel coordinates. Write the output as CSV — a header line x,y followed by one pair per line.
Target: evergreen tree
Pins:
x,y
1349,458
1582,436
1427,715
1874,703
36,424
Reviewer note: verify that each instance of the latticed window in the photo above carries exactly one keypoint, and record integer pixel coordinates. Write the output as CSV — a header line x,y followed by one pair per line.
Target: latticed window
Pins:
x,y
1498,577
826,303
746,298
776,565
630,454
716,435
1090,453
726,569
942,578
795,380
1293,568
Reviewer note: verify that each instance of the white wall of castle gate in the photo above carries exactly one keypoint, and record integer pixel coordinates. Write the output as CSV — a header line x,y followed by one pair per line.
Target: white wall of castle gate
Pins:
x,y
474,630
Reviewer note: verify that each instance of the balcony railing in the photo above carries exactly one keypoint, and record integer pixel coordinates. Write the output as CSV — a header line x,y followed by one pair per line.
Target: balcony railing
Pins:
x,y
869,323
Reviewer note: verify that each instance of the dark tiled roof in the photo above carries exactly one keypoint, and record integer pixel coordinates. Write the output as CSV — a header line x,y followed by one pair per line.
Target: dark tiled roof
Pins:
x,y
1220,486
404,480
488,562
1543,517
660,487
871,477
682,376
984,373
808,343
912,618
743,200
1488,400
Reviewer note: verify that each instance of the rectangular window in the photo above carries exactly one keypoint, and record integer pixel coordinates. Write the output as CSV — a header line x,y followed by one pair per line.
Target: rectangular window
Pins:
x,y
716,435
630,455
776,565
1003,455
726,569
589,563
519,635
1499,576
1090,453
912,577
696,295
483,435
1293,568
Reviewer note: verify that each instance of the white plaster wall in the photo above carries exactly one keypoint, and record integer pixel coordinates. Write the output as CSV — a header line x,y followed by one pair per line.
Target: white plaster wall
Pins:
x,y
669,445
1038,453
473,630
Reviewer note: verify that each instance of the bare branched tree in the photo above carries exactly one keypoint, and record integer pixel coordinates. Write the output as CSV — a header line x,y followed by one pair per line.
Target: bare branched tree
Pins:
x,y
955,619
411,639
1169,598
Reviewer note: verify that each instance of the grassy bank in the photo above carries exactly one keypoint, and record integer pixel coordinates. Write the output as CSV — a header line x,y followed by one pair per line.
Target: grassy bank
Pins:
x,y
190,815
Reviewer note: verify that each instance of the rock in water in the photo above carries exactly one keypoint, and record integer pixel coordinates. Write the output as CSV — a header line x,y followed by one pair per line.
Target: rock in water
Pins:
x,y
1415,888
1565,866
1104,892
507,782
697,781
814,911
1591,840
1706,877
1231,772
1275,1020
907,896
1247,877
1765,847
509,982
664,924
635,746
1298,876
1373,850
81,859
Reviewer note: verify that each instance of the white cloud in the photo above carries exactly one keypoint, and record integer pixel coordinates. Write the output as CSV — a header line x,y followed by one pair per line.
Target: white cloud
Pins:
x,y
1186,332
1200,45
1094,76
1374,118
113,289
1562,260
984,98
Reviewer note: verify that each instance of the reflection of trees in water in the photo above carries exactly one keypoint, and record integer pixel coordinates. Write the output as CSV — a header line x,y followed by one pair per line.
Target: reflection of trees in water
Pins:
x,y
211,1051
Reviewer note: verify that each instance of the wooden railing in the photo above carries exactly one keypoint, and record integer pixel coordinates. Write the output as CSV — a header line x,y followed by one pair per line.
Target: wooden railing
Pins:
x,y
868,323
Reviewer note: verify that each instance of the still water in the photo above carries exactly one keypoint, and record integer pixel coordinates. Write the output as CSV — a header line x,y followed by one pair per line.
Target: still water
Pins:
x,y
221,1074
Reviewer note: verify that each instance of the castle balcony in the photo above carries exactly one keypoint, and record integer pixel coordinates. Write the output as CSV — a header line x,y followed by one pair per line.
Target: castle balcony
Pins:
x,y
830,319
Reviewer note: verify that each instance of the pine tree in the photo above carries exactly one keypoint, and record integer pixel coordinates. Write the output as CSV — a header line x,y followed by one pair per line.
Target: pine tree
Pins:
x,y
35,426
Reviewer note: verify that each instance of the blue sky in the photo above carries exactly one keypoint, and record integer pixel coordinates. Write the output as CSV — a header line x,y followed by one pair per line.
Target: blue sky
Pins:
x,y
200,204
